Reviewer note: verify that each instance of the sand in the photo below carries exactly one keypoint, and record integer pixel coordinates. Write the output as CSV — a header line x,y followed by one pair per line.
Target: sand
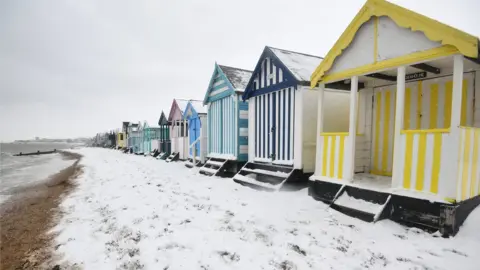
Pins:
x,y
27,217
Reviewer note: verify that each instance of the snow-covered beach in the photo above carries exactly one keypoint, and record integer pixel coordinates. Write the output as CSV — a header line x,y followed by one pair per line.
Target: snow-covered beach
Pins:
x,y
135,212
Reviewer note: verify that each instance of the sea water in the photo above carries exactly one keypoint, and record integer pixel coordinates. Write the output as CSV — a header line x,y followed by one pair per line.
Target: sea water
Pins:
x,y
17,172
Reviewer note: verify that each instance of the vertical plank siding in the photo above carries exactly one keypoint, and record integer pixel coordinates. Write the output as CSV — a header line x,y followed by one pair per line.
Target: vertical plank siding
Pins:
x,y
332,155
274,113
468,184
242,124
222,125
274,132
428,105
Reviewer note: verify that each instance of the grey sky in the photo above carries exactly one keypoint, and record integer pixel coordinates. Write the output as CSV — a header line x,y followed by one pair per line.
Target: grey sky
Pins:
x,y
73,68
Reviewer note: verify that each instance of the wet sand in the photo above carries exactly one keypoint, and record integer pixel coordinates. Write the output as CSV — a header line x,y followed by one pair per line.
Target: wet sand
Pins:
x,y
27,217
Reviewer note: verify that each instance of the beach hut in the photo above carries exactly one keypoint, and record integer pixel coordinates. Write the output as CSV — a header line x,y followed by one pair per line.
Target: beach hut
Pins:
x,y
196,117
165,144
178,130
282,119
411,152
121,138
227,130
133,137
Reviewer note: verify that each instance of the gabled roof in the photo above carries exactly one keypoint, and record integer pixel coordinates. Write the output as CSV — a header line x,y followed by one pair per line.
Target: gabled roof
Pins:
x,y
297,68
162,120
436,31
194,108
182,104
237,77
301,65
197,105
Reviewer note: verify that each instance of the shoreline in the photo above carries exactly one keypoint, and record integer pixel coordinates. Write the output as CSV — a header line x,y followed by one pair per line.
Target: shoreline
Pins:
x,y
28,215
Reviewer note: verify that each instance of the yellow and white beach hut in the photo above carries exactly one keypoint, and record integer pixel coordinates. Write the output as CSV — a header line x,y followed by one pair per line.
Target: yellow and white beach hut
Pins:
x,y
411,152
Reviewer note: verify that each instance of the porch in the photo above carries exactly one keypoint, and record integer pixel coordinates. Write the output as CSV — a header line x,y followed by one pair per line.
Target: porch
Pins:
x,y
417,131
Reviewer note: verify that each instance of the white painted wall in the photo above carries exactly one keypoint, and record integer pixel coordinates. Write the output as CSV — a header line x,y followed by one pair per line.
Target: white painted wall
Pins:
x,y
204,137
309,123
395,41
336,111
298,125
359,52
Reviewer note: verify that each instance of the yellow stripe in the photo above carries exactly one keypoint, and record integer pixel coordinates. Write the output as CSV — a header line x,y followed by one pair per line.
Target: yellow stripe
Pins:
x,y
466,163
419,105
447,116
406,113
386,129
407,168
473,177
333,133
325,153
340,157
332,156
437,157
433,105
375,40
427,131
378,104
422,146
463,119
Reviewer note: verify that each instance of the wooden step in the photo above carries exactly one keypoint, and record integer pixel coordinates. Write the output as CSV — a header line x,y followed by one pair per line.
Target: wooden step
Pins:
x,y
263,176
173,156
213,166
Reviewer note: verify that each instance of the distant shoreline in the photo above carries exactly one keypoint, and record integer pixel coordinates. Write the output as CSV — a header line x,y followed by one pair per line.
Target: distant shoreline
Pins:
x,y
27,217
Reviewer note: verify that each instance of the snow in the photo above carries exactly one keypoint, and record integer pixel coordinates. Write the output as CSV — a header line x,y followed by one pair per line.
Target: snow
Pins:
x,y
251,178
272,173
198,106
222,156
283,162
216,163
210,170
301,65
264,160
132,212
238,77
362,205
382,184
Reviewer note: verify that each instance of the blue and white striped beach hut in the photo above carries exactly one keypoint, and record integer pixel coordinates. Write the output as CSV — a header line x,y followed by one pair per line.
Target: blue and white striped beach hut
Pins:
x,y
227,120
283,119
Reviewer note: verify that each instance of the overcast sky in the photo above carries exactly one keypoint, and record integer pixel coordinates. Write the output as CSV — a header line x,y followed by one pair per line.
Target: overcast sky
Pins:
x,y
74,68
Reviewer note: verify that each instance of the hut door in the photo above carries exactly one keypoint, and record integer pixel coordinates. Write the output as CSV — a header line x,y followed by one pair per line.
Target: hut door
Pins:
x,y
265,127
383,127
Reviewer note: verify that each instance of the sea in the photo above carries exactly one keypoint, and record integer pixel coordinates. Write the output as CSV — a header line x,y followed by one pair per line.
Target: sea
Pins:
x,y
17,172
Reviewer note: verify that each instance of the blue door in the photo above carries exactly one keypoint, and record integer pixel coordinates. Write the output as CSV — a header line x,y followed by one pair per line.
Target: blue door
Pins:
x,y
194,130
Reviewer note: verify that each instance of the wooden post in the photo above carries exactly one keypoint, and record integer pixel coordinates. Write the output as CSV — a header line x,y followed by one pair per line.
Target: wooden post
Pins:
x,y
321,94
352,130
456,121
397,140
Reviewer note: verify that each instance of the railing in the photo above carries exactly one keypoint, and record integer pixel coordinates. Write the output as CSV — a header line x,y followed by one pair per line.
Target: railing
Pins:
x,y
468,184
194,150
332,154
424,159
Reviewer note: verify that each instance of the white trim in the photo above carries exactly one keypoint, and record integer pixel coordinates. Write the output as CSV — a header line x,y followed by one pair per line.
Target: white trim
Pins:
x,y
251,128
318,160
399,115
298,130
352,131
456,114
